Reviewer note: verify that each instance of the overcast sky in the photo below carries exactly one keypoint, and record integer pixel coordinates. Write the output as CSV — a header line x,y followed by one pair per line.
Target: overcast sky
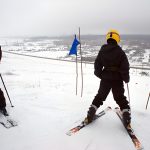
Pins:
x,y
63,17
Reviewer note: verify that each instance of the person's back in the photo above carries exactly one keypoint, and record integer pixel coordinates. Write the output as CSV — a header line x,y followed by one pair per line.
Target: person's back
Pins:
x,y
110,54
111,62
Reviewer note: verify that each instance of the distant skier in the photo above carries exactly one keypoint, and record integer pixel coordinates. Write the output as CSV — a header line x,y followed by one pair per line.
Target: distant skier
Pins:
x,y
2,98
112,67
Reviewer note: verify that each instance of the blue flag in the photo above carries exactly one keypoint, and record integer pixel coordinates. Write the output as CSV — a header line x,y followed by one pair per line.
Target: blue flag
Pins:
x,y
73,49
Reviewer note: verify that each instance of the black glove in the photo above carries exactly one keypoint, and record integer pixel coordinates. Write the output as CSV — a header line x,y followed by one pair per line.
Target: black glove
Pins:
x,y
126,81
97,74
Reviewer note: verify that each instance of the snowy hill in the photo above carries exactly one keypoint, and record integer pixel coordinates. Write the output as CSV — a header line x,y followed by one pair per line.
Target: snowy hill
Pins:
x,y
46,107
137,47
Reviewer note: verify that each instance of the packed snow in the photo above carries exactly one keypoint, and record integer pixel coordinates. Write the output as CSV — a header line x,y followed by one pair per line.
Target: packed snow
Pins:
x,y
46,106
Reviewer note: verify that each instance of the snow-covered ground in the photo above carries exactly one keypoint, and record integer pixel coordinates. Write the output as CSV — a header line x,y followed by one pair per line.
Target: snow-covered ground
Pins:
x,y
46,107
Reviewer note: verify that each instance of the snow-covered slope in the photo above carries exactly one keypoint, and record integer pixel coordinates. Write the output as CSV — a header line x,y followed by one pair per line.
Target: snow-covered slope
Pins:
x,y
46,107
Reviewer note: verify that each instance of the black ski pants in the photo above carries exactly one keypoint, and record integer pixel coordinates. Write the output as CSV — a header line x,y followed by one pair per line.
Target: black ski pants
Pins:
x,y
2,100
117,88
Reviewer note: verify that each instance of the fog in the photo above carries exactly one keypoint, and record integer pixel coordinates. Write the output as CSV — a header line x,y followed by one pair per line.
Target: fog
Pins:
x,y
64,17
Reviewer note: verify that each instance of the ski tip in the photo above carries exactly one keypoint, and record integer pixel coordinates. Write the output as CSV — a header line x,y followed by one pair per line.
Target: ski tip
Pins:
x,y
69,133
140,148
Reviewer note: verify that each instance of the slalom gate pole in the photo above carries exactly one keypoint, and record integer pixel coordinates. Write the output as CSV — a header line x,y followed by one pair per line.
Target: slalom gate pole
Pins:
x,y
81,64
6,90
147,100
76,75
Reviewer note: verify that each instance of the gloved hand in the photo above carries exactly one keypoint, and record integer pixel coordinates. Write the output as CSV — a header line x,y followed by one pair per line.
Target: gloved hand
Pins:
x,y
96,74
126,81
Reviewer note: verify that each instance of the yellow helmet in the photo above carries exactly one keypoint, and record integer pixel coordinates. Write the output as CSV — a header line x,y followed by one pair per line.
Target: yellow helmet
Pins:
x,y
113,34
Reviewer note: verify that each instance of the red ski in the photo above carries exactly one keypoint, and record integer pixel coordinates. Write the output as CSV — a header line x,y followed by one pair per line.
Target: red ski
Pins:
x,y
82,124
130,131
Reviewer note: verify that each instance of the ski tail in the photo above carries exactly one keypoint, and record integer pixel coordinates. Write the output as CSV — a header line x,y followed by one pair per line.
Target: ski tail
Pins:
x,y
82,124
130,131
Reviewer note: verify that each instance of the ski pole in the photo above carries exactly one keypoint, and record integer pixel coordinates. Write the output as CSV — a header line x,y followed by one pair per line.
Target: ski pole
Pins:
x,y
128,95
147,100
6,90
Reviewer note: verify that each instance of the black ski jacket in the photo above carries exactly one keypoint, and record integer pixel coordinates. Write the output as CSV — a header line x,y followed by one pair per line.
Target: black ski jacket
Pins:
x,y
112,63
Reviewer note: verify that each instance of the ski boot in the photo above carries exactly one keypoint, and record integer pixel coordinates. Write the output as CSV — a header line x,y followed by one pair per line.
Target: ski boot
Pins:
x,y
90,114
126,114
4,111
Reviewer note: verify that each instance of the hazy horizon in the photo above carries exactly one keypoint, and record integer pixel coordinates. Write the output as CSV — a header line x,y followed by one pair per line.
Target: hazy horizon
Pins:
x,y
46,36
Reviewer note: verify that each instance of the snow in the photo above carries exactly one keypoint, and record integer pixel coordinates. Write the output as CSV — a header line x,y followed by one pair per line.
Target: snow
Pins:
x,y
146,55
46,107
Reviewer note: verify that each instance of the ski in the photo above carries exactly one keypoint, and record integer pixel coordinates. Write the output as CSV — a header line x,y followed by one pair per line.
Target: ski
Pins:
x,y
12,121
7,122
82,124
130,131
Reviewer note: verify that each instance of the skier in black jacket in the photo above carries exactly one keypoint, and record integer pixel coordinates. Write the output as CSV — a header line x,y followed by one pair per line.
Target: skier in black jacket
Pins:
x,y
2,98
112,67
